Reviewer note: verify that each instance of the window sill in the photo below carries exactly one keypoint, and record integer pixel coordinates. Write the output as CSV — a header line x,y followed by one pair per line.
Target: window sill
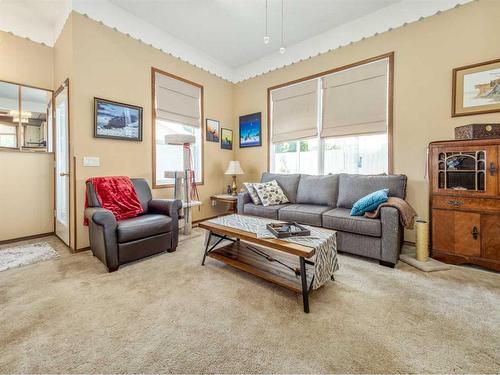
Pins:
x,y
24,151
170,186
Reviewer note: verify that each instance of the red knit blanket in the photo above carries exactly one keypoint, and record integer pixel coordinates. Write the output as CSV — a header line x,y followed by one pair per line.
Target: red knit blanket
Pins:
x,y
116,194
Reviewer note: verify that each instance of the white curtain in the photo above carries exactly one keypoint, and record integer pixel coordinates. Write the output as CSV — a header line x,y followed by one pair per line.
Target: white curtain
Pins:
x,y
294,112
177,101
355,100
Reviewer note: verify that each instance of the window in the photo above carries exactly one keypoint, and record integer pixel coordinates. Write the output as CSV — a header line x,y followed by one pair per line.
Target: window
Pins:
x,y
296,157
333,123
177,111
170,157
25,117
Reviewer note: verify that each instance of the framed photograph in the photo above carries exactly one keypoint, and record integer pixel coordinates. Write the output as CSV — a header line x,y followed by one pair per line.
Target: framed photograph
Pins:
x,y
250,130
213,127
226,139
117,120
476,89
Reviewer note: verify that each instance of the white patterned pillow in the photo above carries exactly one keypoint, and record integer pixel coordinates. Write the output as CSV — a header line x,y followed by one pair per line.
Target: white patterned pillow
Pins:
x,y
250,189
270,193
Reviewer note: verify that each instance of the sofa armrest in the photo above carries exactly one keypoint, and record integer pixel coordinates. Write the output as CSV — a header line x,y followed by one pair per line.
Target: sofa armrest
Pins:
x,y
392,232
103,241
243,198
169,207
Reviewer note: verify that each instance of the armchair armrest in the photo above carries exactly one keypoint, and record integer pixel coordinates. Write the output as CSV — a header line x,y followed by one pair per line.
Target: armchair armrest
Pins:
x,y
392,232
169,207
100,216
103,241
243,198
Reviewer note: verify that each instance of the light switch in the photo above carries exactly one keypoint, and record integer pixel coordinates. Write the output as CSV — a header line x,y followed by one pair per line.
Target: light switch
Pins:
x,y
91,161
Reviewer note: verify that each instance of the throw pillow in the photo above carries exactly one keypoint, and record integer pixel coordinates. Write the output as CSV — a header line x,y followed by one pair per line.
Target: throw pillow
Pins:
x,y
369,202
270,193
250,189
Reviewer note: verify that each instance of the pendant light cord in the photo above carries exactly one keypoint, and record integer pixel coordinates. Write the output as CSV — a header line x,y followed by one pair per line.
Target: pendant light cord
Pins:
x,y
282,23
266,34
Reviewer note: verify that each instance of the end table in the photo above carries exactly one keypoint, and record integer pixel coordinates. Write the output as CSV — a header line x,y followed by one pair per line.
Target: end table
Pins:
x,y
230,200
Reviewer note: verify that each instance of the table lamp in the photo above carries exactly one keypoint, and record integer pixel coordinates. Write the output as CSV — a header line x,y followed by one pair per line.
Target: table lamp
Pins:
x,y
234,169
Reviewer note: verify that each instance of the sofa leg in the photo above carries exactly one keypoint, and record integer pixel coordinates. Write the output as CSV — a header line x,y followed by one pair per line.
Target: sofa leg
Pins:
x,y
387,264
113,269
171,250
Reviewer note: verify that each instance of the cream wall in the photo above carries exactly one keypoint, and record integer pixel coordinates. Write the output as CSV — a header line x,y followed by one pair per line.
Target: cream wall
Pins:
x,y
425,54
110,65
26,187
105,63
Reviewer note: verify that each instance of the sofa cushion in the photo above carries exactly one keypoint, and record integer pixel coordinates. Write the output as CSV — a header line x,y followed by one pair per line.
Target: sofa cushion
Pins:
x,y
369,202
353,187
288,182
142,227
270,212
341,219
250,189
303,213
322,190
270,193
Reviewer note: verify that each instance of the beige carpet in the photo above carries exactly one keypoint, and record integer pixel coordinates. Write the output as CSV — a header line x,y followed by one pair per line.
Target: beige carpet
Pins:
x,y
169,314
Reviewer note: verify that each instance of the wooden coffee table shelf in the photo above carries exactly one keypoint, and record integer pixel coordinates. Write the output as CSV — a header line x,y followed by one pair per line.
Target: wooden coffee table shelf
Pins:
x,y
281,262
238,255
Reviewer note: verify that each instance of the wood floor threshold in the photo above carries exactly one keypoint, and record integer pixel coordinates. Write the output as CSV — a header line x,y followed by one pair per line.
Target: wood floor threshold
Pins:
x,y
239,256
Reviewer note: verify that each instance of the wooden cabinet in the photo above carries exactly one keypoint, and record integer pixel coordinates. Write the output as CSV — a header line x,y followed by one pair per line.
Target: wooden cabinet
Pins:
x,y
465,202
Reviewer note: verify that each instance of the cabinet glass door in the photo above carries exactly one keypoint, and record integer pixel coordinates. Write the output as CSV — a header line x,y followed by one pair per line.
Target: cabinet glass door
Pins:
x,y
466,169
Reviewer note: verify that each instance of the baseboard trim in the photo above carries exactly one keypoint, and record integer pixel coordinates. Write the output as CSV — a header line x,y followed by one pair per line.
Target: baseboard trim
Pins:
x,y
82,249
25,238
206,218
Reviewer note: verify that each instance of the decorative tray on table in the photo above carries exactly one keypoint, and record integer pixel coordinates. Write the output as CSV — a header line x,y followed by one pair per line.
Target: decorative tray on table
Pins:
x,y
283,230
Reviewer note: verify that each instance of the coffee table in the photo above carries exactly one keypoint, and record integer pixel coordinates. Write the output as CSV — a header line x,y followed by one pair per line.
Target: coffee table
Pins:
x,y
280,262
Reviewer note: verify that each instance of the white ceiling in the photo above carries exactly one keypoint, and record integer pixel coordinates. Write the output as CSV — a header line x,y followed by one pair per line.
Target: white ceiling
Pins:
x,y
40,20
225,37
233,30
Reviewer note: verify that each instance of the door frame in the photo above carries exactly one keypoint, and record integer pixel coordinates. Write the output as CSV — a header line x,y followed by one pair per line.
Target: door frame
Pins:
x,y
71,171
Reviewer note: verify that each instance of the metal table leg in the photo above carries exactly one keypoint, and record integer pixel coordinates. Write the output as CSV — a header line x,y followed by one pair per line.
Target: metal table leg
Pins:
x,y
220,239
305,289
206,248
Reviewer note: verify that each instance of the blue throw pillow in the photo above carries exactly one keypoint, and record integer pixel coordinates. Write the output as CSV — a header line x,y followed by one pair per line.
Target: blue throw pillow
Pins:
x,y
369,202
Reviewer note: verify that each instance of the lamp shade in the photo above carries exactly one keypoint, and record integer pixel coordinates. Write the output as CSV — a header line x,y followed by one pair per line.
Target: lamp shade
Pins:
x,y
234,168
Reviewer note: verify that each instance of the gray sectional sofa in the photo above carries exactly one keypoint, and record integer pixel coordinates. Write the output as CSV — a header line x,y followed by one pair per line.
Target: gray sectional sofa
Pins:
x,y
326,201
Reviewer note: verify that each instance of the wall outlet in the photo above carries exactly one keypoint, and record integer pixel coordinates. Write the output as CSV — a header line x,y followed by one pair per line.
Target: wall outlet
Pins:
x,y
91,161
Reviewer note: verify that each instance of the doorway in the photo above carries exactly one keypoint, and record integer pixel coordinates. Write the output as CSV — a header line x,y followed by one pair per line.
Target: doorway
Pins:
x,y
62,164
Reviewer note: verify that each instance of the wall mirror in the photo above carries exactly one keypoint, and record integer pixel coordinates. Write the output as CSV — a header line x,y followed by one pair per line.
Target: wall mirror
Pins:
x,y
25,118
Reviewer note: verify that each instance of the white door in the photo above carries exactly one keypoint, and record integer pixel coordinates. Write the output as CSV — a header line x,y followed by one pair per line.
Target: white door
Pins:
x,y
62,165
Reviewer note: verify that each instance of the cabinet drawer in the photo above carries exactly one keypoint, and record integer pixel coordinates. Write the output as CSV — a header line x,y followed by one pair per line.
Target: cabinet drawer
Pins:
x,y
461,203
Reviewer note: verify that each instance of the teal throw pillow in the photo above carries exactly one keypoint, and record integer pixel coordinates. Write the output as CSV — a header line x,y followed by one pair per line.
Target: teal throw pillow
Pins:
x,y
369,202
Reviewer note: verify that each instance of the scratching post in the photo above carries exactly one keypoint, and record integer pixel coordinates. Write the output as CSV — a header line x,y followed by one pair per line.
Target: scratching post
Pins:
x,y
422,245
184,180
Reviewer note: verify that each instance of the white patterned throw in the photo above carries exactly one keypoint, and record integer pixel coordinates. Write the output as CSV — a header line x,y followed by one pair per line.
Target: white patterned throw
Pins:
x,y
22,255
323,241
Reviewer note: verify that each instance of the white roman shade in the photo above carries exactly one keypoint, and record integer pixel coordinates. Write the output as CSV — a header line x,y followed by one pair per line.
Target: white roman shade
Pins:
x,y
294,112
177,101
355,100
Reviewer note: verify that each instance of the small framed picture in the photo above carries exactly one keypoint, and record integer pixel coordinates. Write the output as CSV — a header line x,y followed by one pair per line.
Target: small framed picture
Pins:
x,y
213,127
250,130
226,139
476,89
116,120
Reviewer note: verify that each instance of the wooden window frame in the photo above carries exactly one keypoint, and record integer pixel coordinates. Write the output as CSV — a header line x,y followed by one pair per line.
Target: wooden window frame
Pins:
x,y
390,102
19,144
153,126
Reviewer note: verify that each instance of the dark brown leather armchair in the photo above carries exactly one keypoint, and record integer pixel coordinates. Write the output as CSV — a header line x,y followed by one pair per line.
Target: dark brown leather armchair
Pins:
x,y
118,242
